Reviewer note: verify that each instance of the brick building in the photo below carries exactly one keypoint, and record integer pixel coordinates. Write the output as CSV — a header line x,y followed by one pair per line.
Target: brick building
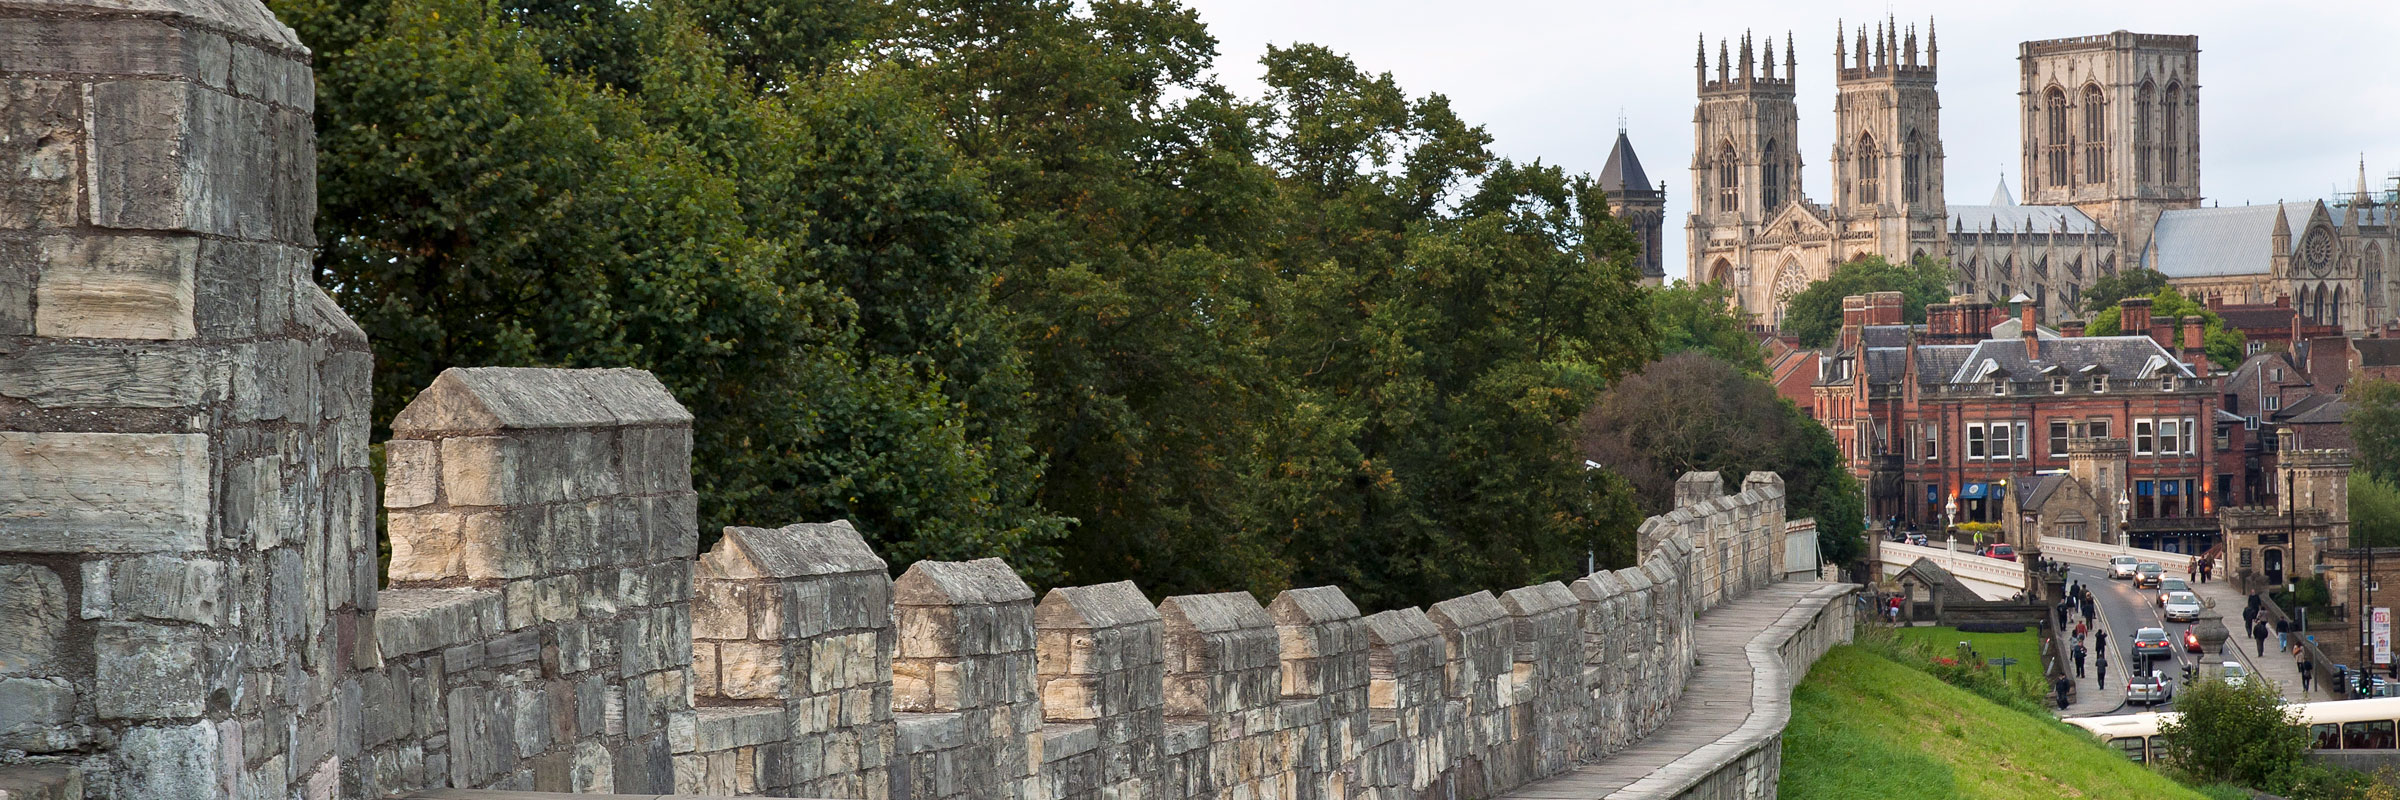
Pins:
x,y
1949,414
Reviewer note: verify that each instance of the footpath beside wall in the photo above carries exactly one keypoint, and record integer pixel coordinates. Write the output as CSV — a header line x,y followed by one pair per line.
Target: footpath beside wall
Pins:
x,y
189,587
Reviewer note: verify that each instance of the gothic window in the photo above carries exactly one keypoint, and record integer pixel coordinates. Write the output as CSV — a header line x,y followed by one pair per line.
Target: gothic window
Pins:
x,y
2095,136
1729,179
1790,280
1912,165
1771,185
1721,273
1868,173
2171,128
2371,268
2056,150
2336,307
2142,103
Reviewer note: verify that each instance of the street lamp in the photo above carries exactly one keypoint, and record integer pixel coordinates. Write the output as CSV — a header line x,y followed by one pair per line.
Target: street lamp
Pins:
x,y
1591,551
2124,520
1949,513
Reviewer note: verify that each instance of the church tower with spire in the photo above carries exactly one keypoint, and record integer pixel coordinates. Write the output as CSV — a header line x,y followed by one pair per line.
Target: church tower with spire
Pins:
x,y
1642,206
1745,162
1887,148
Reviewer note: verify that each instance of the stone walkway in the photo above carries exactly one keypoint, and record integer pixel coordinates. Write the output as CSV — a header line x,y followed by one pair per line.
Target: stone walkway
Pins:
x,y
2280,668
1716,700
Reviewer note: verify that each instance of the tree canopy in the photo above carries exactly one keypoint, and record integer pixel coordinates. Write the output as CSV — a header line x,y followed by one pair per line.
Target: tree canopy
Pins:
x,y
2240,734
1815,313
2373,414
1700,317
1015,279
1692,411
2224,346
2106,292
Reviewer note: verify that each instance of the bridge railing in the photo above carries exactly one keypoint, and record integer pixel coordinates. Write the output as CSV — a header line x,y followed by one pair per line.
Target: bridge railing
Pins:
x,y
1968,566
2097,554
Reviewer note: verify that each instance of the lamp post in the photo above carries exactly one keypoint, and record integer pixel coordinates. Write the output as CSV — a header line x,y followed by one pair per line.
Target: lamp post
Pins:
x,y
1949,514
1591,551
2124,520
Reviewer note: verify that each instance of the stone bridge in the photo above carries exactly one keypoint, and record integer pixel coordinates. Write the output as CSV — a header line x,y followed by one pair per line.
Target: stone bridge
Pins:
x,y
192,603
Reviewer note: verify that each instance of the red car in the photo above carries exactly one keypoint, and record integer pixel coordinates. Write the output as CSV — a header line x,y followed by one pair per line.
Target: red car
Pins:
x,y
2191,641
1999,551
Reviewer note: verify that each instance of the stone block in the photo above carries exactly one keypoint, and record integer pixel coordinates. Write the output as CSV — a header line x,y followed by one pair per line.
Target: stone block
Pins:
x,y
427,546
91,375
116,287
170,588
481,470
35,714
33,619
173,156
41,142
171,763
147,671
103,492
422,620
752,670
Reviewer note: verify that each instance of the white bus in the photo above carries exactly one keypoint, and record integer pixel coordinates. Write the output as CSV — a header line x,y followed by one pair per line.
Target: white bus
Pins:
x,y
2366,726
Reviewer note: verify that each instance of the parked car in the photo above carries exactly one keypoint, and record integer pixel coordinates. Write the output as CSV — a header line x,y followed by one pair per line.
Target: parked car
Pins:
x,y
2235,674
2171,586
2000,551
2180,606
2148,575
2149,643
2122,566
2148,689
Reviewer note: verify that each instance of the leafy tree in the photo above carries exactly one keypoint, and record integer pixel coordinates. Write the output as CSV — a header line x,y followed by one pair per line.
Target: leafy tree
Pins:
x,y
1815,314
2224,345
1701,317
1692,412
2242,734
2109,289
2374,420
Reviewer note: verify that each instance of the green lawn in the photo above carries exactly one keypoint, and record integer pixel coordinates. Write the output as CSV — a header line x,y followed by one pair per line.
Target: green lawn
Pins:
x,y
2025,647
1866,727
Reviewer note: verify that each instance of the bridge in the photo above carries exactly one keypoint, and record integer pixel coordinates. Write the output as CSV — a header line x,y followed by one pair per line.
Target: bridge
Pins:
x,y
1988,578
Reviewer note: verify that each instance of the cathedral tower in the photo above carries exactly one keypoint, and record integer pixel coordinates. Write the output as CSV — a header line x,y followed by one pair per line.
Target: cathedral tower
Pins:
x,y
2110,126
1642,206
1887,146
1744,163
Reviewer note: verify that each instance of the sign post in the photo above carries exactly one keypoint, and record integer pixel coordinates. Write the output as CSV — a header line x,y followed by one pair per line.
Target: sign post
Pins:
x,y
2381,630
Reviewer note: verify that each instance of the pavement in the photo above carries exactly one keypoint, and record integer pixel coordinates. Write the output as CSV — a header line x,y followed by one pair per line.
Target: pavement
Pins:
x,y
2122,610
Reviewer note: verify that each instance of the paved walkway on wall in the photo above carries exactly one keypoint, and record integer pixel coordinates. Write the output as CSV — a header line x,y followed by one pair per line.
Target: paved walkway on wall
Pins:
x,y
2282,669
1715,701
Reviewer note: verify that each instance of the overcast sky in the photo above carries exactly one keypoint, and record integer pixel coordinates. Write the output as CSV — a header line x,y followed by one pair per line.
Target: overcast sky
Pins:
x,y
2291,94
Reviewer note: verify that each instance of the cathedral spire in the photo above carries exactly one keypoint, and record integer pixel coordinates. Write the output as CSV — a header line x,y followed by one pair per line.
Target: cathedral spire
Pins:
x,y
1724,62
1883,57
1791,66
1840,53
1700,63
1910,59
2361,197
1862,48
1766,61
1933,50
1747,73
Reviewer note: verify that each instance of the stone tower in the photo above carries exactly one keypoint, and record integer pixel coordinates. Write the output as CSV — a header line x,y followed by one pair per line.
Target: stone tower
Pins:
x,y
2098,462
187,526
2111,126
1887,145
1744,162
2314,480
1642,206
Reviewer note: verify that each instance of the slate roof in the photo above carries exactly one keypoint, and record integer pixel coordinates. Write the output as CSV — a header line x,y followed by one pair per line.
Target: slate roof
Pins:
x,y
2377,352
2329,412
2013,218
2033,494
2277,318
1624,169
2232,240
2121,356
2304,407
1887,335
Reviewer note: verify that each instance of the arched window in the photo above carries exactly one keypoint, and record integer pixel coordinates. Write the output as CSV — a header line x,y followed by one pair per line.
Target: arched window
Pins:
x,y
2056,149
2336,307
1721,273
2095,135
1771,183
2316,307
1912,167
1729,179
2171,128
1869,173
2370,265
2143,101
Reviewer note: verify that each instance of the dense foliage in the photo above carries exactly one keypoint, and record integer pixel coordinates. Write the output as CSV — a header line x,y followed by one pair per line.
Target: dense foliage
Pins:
x,y
1815,313
2240,734
2106,292
2373,415
998,279
1691,411
2224,345
1702,318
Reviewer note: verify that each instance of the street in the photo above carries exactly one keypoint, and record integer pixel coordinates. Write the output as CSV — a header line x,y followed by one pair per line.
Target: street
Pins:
x,y
2123,610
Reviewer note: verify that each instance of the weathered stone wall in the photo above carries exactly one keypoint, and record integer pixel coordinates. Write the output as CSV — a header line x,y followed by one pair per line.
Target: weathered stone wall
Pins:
x,y
186,528
537,633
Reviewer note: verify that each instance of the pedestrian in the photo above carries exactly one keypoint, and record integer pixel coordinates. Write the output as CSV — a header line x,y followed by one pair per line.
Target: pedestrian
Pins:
x,y
2080,630
2100,670
2307,671
2258,633
2191,570
2064,686
2207,566
2283,635
2079,653
2062,614
2089,613
2250,615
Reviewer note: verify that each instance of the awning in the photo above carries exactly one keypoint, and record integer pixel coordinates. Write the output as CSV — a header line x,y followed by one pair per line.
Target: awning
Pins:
x,y
1972,491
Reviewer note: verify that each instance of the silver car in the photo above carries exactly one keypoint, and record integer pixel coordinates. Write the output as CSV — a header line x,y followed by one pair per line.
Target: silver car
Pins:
x,y
2122,566
2182,607
2148,690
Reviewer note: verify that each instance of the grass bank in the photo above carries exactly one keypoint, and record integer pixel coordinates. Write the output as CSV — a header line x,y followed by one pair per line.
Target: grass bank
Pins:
x,y
2024,646
1866,727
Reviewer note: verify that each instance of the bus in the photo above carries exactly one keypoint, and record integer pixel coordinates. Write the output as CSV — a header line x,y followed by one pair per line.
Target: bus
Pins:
x,y
2334,726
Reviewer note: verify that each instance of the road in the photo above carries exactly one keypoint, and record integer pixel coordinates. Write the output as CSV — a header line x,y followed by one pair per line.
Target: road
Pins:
x,y
2124,610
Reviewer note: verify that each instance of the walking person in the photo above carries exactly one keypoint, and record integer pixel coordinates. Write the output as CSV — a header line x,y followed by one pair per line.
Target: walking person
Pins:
x,y
2100,669
2283,635
2307,672
2062,614
2064,687
2258,636
2079,653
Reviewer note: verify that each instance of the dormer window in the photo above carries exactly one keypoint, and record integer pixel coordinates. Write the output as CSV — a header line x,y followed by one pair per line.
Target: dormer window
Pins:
x,y
2099,384
2058,386
1999,386
2166,384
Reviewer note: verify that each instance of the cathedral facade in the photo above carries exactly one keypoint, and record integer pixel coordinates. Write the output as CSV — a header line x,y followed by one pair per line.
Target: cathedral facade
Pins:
x,y
2111,166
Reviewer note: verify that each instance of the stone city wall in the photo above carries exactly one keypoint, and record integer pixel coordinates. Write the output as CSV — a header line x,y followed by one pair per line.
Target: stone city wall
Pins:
x,y
189,598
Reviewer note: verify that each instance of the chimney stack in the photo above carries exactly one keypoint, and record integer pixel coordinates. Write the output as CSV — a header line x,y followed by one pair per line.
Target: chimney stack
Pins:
x,y
1854,317
2027,329
2195,351
2133,318
1884,308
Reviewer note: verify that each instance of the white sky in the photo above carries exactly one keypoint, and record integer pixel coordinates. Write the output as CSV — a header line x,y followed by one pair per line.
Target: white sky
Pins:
x,y
2291,94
